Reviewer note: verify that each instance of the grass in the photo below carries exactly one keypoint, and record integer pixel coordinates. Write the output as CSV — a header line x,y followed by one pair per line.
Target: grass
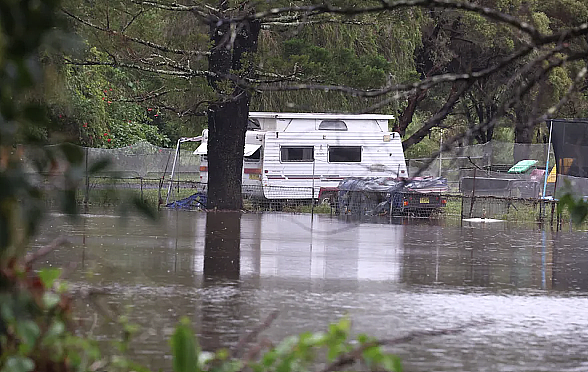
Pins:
x,y
103,193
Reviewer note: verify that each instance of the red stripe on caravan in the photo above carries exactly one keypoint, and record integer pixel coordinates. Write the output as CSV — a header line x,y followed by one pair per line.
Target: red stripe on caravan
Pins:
x,y
252,170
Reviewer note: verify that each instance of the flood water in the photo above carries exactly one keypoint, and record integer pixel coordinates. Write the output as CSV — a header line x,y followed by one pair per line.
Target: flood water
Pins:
x,y
520,293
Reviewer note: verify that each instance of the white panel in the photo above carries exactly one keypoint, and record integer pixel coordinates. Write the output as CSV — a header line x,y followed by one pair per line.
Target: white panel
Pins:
x,y
202,149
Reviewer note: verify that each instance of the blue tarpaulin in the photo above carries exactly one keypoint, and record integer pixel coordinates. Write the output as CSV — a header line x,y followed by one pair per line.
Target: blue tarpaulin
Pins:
x,y
195,201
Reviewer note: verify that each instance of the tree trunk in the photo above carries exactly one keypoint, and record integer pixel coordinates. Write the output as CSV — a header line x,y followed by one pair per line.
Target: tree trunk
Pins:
x,y
523,135
227,118
408,113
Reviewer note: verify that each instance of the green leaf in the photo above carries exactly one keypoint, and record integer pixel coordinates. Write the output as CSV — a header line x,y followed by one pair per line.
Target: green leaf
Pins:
x,y
184,349
50,299
18,364
29,332
49,275
56,329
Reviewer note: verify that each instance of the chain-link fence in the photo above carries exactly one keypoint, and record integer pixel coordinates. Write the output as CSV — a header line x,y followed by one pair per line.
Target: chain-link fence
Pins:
x,y
478,185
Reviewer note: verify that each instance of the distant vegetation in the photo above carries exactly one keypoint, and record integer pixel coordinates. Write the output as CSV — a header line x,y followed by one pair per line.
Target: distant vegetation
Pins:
x,y
111,106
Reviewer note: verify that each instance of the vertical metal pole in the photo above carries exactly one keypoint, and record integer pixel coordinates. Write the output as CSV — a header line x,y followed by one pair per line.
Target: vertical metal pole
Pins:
x,y
547,160
171,177
87,196
473,194
178,194
312,191
141,178
440,152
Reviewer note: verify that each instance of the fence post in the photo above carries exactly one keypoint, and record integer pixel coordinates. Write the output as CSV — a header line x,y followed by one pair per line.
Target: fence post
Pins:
x,y
473,194
87,196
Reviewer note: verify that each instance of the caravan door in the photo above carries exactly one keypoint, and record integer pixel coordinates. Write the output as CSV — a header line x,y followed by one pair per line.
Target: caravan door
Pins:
x,y
289,166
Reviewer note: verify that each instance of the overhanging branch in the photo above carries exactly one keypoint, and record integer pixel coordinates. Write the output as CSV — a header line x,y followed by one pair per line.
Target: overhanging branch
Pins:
x,y
147,43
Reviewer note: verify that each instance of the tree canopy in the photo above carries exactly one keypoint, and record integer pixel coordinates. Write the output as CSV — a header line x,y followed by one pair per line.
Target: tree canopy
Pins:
x,y
156,70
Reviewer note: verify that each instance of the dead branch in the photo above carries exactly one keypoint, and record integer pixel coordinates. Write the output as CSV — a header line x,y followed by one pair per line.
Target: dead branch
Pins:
x,y
386,5
355,354
189,73
45,250
152,95
420,85
203,10
146,43
252,335
520,91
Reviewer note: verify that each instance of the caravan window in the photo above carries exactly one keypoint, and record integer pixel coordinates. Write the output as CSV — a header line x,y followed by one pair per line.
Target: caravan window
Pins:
x,y
256,156
332,125
297,153
344,154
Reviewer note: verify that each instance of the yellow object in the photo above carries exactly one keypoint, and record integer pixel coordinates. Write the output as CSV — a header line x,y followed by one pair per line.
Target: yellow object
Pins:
x,y
552,175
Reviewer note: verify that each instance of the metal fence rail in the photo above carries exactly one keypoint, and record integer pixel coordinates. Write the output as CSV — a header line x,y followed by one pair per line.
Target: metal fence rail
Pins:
x,y
357,204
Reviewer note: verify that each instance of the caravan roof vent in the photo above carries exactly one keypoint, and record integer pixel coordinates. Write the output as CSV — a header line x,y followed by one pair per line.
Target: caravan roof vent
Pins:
x,y
332,125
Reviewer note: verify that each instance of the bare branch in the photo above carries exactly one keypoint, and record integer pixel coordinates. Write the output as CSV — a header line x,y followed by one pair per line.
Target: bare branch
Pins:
x,y
250,336
45,250
355,354
201,10
518,93
152,95
130,22
423,84
147,43
182,74
384,5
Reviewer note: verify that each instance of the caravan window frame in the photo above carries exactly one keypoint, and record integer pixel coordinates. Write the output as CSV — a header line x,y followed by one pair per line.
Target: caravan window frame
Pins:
x,y
333,124
282,148
336,147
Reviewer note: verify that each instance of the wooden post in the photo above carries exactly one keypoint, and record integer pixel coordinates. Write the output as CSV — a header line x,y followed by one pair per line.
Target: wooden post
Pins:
x,y
473,194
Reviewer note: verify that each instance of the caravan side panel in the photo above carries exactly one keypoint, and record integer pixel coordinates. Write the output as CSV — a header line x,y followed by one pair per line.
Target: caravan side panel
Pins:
x,y
381,156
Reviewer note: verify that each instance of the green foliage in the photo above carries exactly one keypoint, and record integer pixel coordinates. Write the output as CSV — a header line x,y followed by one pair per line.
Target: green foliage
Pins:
x,y
577,207
293,354
95,106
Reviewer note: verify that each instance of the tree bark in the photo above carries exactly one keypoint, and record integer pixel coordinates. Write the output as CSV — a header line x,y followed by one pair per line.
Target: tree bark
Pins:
x,y
523,135
408,113
227,118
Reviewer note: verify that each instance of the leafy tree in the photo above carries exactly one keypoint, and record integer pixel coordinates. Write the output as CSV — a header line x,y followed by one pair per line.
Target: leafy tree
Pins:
x,y
488,62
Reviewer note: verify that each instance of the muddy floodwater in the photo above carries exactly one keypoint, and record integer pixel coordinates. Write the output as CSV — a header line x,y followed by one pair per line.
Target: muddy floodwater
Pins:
x,y
521,293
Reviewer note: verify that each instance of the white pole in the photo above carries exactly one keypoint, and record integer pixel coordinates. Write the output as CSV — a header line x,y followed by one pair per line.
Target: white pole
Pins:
x,y
171,177
547,160
440,152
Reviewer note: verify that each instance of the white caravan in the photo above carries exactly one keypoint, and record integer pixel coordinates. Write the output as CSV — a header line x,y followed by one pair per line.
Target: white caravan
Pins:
x,y
294,155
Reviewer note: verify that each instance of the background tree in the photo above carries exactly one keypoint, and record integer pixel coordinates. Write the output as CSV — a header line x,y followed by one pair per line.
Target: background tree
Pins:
x,y
468,67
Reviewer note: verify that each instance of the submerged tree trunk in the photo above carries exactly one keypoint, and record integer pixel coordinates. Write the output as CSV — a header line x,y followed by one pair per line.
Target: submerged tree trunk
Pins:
x,y
227,118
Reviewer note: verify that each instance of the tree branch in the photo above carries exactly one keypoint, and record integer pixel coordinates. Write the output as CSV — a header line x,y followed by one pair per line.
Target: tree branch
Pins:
x,y
183,74
420,85
147,43
385,5
43,251
438,118
200,10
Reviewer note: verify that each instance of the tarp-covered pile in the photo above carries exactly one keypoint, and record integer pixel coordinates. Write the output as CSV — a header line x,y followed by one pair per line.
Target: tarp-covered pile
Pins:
x,y
387,184
383,195
194,201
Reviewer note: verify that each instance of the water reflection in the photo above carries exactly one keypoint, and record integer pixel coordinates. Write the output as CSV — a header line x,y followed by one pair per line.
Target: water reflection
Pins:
x,y
228,271
222,303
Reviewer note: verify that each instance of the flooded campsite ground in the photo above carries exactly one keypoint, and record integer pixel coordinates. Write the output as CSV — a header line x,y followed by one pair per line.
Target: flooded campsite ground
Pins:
x,y
520,293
